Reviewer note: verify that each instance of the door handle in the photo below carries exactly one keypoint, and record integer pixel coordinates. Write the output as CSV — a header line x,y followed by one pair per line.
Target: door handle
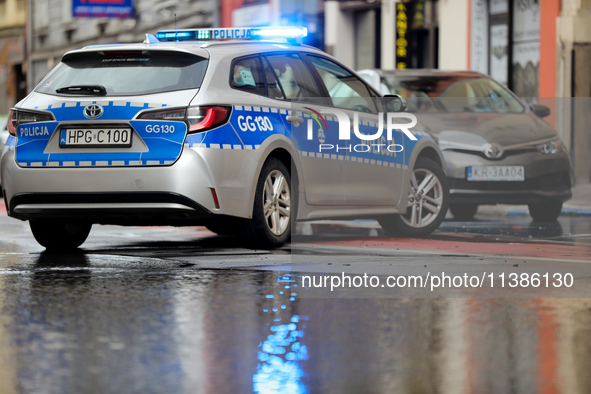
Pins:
x,y
295,120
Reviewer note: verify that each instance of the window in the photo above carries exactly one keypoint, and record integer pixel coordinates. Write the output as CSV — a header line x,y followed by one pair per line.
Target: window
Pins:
x,y
274,90
246,75
345,89
294,78
479,95
128,73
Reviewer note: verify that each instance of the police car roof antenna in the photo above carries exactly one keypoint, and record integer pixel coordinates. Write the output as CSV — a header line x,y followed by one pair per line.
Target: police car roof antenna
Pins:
x,y
176,38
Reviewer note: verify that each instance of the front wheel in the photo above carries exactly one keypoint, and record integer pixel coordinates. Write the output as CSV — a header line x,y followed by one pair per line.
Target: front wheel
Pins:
x,y
56,235
428,201
272,214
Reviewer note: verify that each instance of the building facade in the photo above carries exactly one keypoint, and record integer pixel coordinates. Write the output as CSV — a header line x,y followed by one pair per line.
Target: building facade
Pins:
x,y
244,13
12,53
53,30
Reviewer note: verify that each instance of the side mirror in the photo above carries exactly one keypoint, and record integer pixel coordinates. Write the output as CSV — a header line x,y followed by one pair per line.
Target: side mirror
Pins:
x,y
394,103
540,110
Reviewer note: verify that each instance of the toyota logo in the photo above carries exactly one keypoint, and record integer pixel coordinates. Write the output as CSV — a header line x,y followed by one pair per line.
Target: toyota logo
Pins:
x,y
493,151
93,111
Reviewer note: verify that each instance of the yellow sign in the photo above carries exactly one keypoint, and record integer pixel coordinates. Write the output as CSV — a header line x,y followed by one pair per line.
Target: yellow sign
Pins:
x,y
401,30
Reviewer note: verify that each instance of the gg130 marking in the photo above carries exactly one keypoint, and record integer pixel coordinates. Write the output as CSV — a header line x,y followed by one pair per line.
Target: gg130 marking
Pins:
x,y
160,128
261,123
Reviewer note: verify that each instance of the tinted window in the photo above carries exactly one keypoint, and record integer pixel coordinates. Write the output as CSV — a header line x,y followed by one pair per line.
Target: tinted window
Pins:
x,y
453,93
128,73
293,76
246,75
344,88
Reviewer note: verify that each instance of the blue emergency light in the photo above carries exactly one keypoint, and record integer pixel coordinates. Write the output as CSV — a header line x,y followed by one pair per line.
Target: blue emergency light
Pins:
x,y
233,33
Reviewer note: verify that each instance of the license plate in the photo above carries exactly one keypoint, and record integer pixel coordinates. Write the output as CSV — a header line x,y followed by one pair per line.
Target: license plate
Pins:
x,y
97,138
496,173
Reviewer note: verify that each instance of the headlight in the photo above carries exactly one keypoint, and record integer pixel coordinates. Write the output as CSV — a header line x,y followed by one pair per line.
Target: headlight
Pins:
x,y
550,147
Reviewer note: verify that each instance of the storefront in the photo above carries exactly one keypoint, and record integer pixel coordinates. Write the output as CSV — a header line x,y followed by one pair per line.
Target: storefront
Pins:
x,y
417,34
507,42
383,34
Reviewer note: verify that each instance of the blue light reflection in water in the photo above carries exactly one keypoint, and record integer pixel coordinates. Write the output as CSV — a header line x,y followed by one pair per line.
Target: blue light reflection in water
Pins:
x,y
281,354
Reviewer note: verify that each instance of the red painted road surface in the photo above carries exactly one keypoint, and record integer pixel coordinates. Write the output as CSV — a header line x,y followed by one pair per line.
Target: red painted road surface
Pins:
x,y
463,245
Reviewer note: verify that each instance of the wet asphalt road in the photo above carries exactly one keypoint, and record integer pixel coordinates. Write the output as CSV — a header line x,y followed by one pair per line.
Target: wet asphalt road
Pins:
x,y
179,310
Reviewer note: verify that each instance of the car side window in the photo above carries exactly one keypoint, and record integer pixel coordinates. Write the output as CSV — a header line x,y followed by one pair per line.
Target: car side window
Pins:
x,y
344,88
293,76
274,90
246,75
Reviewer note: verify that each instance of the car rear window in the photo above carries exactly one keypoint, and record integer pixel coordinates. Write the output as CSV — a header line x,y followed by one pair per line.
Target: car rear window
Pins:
x,y
127,73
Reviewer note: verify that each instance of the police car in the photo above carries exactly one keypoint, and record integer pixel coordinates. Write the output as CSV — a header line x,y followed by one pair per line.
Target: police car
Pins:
x,y
241,130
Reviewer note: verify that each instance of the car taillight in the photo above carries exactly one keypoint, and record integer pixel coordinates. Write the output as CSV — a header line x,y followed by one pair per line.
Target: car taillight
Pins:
x,y
173,114
198,119
18,117
12,122
204,118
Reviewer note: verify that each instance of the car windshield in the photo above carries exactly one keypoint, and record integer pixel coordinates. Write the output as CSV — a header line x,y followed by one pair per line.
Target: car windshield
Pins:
x,y
454,93
126,73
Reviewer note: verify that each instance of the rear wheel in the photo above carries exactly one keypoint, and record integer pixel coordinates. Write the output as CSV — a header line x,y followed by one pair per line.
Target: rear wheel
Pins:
x,y
272,214
428,201
545,212
463,211
56,235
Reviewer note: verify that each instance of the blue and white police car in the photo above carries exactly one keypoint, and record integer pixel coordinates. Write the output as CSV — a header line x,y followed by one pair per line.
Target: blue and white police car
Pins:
x,y
241,130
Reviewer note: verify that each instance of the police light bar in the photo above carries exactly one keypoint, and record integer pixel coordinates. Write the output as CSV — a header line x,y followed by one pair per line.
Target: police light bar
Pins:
x,y
233,33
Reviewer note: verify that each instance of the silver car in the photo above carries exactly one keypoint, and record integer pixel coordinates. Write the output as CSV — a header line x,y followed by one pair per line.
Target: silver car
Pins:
x,y
213,127
498,149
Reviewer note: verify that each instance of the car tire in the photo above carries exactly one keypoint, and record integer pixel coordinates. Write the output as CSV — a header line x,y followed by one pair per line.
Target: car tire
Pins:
x,y
436,197
463,211
273,210
56,235
545,212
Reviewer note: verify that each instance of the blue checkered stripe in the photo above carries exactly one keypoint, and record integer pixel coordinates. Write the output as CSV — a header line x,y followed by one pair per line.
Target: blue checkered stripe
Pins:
x,y
163,149
114,110
236,134
233,136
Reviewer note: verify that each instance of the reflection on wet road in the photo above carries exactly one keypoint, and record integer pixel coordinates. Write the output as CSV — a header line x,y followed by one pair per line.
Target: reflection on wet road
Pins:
x,y
69,324
180,311
566,229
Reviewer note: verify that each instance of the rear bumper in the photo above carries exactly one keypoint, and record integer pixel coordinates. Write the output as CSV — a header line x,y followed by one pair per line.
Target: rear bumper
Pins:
x,y
137,208
178,194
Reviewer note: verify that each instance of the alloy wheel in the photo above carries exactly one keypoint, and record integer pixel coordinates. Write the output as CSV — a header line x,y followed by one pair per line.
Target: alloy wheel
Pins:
x,y
276,202
425,199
